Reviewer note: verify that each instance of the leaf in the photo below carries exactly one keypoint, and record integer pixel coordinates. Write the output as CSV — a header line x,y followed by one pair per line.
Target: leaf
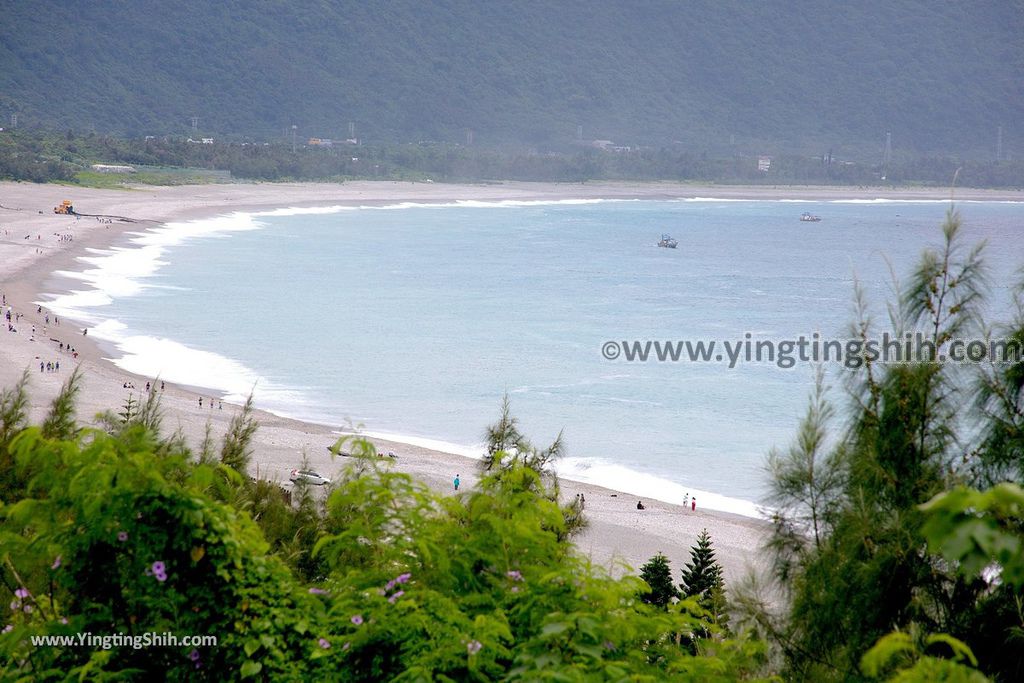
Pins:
x,y
250,669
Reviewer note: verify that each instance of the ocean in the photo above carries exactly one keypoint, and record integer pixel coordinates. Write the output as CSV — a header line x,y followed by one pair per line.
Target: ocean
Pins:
x,y
412,321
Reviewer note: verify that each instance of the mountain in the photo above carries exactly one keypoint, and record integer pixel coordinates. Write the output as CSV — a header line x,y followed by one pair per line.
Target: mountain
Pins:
x,y
771,76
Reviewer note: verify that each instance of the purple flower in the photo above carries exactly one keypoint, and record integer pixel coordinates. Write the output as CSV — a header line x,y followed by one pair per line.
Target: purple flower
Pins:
x,y
27,609
64,620
194,655
473,647
21,593
515,575
515,589
122,536
15,606
160,576
324,643
318,591
8,628
158,567
396,596
56,563
403,578
358,620
389,586
609,645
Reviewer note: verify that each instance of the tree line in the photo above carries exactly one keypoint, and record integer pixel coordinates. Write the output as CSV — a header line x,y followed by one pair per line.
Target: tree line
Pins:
x,y
40,156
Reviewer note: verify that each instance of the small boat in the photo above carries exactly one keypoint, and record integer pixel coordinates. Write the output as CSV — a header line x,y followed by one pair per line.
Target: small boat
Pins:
x,y
809,217
668,242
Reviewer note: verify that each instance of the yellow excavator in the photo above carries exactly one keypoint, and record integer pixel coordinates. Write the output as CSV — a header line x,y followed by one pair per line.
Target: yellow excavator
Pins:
x,y
65,208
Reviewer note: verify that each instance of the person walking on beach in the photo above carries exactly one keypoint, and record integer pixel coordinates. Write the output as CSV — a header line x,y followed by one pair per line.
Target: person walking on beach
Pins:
x,y
686,500
200,401
693,504
456,482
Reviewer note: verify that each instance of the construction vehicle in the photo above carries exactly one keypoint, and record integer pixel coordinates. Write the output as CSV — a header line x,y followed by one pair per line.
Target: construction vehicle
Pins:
x,y
65,208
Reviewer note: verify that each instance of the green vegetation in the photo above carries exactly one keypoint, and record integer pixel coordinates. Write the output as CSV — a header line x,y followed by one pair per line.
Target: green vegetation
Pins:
x,y
851,538
888,560
124,530
766,77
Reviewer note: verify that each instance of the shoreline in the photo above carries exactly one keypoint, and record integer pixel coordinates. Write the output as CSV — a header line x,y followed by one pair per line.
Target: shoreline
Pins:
x,y
617,531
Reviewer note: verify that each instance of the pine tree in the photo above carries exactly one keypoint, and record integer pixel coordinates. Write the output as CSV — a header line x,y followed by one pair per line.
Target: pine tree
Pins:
x,y
658,575
702,574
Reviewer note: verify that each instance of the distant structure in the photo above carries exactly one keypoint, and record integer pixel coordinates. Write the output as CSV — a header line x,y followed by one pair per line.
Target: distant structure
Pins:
x,y
111,168
579,133
999,144
469,137
14,120
887,156
294,129
320,142
764,163
351,130
195,123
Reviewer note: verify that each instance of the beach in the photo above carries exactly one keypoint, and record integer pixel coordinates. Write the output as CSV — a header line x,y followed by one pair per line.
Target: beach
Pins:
x,y
36,244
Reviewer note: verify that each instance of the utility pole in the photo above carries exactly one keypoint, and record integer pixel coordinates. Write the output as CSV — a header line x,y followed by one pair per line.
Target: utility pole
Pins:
x,y
294,128
195,123
999,144
14,120
351,130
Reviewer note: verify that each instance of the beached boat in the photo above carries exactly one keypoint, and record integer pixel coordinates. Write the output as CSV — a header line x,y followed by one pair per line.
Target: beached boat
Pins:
x,y
809,217
668,242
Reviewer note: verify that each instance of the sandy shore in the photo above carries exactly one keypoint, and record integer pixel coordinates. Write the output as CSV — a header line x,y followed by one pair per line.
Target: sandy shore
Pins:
x,y
35,244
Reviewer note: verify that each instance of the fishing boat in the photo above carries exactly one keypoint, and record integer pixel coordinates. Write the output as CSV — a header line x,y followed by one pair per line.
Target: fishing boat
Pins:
x,y
809,217
667,242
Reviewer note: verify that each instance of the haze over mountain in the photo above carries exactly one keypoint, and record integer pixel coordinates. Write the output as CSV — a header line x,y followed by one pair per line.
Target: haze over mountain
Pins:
x,y
711,75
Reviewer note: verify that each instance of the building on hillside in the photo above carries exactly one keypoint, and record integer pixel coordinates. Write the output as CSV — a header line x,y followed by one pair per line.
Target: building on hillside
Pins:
x,y
764,163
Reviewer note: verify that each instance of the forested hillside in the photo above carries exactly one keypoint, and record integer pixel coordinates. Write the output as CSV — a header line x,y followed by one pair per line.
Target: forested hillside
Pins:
x,y
765,77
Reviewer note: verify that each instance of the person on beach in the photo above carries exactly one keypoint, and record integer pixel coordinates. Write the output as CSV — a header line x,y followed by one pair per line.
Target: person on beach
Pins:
x,y
200,401
456,482
640,505
686,500
693,504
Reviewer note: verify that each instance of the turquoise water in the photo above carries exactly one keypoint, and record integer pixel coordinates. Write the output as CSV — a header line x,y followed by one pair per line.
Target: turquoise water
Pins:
x,y
415,320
